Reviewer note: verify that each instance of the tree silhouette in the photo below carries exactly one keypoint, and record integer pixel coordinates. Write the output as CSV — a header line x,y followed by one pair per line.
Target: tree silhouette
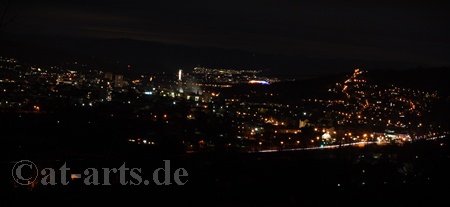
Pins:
x,y
8,4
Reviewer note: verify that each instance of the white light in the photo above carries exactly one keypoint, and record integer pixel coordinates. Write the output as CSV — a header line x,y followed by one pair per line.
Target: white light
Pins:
x,y
179,75
145,141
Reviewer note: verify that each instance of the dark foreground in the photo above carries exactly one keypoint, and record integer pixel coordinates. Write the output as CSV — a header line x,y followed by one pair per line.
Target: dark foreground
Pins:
x,y
412,175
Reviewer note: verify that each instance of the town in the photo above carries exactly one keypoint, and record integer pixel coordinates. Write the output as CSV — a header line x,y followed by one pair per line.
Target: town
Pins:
x,y
220,109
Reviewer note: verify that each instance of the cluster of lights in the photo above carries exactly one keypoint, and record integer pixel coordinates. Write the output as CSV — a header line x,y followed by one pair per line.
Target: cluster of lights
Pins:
x,y
143,141
258,82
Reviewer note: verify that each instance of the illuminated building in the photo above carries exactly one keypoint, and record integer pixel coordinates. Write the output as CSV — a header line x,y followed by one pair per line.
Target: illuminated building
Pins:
x,y
118,81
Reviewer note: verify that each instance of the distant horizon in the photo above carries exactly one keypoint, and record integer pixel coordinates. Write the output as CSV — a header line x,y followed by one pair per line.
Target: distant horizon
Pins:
x,y
292,36
183,57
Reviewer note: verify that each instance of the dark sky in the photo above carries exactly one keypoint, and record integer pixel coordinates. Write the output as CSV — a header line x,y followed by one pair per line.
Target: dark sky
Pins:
x,y
417,33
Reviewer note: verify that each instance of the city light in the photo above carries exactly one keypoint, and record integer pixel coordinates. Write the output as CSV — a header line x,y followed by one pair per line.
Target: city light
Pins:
x,y
258,82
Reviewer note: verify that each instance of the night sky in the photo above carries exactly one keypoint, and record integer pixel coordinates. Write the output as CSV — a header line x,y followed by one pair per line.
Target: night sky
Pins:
x,y
413,33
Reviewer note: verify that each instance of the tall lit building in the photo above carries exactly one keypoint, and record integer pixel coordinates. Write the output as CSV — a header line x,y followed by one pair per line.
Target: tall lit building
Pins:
x,y
180,73
118,81
180,83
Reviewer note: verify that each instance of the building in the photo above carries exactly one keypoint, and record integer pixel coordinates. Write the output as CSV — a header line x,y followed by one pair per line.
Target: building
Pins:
x,y
109,76
118,81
